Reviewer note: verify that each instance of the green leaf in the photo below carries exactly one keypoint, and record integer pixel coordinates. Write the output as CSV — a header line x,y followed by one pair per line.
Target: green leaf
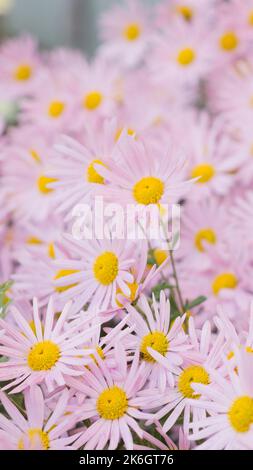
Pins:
x,y
194,303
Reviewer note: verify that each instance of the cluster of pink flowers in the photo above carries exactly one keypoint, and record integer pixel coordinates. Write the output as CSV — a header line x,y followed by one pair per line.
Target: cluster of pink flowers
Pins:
x,y
113,343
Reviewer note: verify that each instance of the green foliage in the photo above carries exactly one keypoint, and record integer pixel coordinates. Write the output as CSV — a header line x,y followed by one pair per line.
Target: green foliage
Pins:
x,y
4,299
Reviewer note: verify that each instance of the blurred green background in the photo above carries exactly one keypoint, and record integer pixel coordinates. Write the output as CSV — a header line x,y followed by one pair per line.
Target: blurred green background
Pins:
x,y
57,22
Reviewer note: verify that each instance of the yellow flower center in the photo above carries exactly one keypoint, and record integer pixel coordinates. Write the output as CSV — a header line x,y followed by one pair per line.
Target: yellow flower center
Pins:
x,y
240,414
229,41
224,281
63,273
186,56
92,175
93,100
192,374
207,235
148,190
35,435
43,355
155,340
33,241
249,349
250,18
185,11
100,353
160,256
133,289
42,184
132,32
112,403
205,172
56,109
106,268
23,72
130,132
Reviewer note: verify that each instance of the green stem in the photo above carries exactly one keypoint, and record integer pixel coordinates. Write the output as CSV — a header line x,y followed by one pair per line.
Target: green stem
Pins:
x,y
177,287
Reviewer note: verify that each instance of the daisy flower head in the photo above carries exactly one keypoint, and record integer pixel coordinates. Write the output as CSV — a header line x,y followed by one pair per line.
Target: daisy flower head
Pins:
x,y
96,91
231,426
20,64
37,430
25,180
213,159
197,367
140,177
41,351
125,31
95,272
188,10
203,223
52,107
114,406
182,54
73,167
156,336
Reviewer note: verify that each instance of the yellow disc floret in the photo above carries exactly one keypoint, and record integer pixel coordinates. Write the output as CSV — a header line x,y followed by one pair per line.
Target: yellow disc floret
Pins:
x,y
132,32
204,235
64,273
224,281
186,56
56,109
240,414
192,374
35,436
229,41
156,340
106,268
112,403
42,184
148,190
92,175
204,172
43,355
23,72
93,100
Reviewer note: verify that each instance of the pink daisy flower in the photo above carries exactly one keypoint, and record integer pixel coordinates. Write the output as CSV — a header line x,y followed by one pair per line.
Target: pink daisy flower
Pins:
x,y
182,54
230,427
156,337
213,158
125,33
20,64
95,273
114,406
41,351
36,431
139,177
198,368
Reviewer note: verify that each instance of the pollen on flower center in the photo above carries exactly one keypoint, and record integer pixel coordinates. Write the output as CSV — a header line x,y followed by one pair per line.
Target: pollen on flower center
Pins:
x,y
43,355
112,403
229,41
106,268
185,11
23,72
204,235
205,172
224,281
93,100
186,56
56,109
63,273
35,435
240,414
160,256
132,32
92,175
42,184
156,340
148,190
192,374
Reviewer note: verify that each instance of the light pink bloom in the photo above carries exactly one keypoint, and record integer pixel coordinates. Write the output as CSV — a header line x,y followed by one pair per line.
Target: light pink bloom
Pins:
x,y
37,431
42,351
